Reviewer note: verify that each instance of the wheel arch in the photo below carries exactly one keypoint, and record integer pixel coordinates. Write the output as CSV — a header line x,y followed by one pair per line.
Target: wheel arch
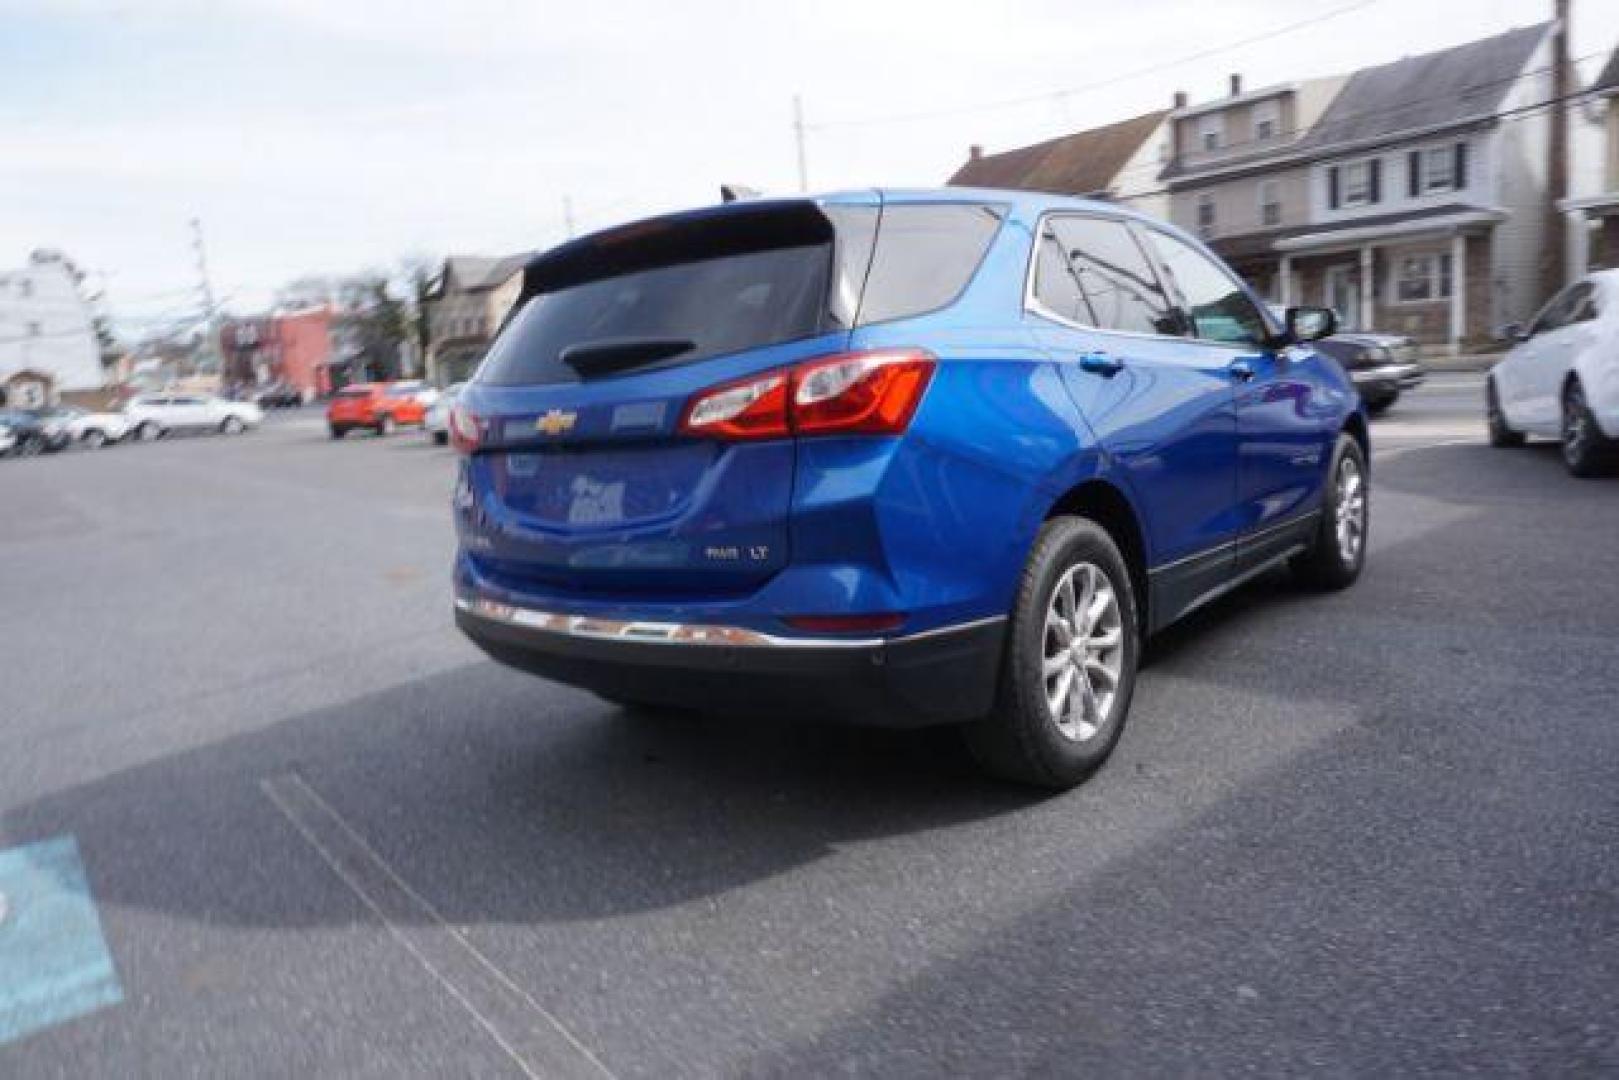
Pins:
x,y
1355,427
1107,505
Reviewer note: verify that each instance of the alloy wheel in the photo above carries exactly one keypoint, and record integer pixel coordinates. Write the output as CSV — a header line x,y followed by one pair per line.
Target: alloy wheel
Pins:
x,y
1349,511
1575,429
1083,658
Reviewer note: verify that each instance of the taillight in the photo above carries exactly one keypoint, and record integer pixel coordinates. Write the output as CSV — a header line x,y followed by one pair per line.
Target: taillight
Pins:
x,y
871,393
466,429
874,393
752,408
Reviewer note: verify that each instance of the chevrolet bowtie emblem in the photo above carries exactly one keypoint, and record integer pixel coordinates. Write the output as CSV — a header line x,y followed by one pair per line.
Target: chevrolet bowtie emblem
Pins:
x,y
555,422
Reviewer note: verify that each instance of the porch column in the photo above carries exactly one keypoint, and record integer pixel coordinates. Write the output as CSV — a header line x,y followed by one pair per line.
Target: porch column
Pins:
x,y
1368,289
1284,290
1458,290
1579,245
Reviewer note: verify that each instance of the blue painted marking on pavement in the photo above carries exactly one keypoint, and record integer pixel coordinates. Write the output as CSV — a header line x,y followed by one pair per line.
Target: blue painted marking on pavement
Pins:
x,y
54,963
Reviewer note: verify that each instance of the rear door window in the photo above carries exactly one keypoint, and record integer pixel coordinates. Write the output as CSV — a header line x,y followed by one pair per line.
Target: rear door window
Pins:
x,y
1121,289
926,254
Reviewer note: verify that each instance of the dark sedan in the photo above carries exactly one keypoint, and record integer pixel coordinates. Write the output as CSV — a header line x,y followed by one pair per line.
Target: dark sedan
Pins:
x,y
1381,366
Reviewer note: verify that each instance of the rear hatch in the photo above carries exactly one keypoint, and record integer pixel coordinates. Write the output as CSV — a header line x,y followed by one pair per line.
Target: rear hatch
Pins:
x,y
582,480
351,406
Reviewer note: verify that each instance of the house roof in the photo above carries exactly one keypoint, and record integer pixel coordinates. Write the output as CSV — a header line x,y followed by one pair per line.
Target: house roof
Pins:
x,y
1077,164
1608,80
474,272
1434,91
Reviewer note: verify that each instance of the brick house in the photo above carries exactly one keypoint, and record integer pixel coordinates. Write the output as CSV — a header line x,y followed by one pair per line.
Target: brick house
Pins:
x,y
292,347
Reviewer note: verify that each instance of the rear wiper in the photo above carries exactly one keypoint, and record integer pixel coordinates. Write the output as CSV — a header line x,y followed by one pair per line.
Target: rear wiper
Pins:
x,y
610,355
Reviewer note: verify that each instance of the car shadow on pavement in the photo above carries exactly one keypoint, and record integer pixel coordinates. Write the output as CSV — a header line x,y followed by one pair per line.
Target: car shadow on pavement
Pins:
x,y
509,800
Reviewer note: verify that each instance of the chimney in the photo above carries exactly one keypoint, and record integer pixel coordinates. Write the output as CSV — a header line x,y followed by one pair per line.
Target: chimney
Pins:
x,y
1236,85
1554,269
1180,99
975,152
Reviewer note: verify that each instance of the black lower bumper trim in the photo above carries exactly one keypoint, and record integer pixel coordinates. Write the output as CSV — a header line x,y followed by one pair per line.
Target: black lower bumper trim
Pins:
x,y
940,677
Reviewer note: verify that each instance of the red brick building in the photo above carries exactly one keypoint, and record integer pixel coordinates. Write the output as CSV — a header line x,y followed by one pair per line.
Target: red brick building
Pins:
x,y
293,348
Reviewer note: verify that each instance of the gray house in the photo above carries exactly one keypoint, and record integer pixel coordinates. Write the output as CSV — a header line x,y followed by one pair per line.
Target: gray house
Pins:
x,y
1593,214
1428,205
471,297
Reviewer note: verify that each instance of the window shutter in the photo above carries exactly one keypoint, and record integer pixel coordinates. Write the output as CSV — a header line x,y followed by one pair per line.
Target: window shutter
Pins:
x,y
1414,172
1374,178
1332,187
1461,166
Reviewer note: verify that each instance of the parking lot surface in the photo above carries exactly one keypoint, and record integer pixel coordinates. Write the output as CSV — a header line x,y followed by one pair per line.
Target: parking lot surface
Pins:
x,y
1365,832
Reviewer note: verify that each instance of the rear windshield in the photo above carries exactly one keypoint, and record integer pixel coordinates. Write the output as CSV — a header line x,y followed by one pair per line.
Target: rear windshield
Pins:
x,y
355,391
720,305
720,288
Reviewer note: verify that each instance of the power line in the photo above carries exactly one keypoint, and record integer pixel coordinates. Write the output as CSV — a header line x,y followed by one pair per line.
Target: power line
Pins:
x,y
1057,95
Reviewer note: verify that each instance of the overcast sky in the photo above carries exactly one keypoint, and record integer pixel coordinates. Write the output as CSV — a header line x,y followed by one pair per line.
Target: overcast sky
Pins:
x,y
318,136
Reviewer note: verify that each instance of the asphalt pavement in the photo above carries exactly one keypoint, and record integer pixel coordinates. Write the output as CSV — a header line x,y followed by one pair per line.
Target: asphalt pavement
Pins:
x,y
317,833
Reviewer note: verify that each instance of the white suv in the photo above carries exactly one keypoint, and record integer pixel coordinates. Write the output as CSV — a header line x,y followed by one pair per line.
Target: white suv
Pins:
x,y
151,416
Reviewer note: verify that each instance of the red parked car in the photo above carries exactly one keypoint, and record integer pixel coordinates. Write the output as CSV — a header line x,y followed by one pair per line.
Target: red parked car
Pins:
x,y
378,407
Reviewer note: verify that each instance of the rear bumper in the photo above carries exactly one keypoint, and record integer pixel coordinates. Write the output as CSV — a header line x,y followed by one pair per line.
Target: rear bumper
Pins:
x,y
938,677
1387,378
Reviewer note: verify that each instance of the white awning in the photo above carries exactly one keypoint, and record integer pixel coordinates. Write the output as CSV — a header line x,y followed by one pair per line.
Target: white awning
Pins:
x,y
1398,230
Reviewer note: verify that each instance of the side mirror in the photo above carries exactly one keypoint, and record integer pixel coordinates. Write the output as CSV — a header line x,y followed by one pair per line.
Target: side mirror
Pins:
x,y
1310,323
1512,332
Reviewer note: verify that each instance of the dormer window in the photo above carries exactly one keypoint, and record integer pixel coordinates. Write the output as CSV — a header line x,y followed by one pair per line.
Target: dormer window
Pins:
x,y
1267,121
1211,132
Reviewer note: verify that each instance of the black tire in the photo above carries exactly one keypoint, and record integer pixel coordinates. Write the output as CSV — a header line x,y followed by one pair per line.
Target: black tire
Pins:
x,y
94,439
1586,451
441,438
1379,405
231,425
385,426
147,431
338,433
30,446
1501,434
1331,562
1024,740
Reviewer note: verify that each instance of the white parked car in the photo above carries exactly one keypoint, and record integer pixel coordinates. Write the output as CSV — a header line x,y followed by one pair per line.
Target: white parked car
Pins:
x,y
7,439
152,416
415,389
437,421
1561,379
92,429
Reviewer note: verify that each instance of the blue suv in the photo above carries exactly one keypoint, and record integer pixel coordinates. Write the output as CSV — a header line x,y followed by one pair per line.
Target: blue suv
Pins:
x,y
897,457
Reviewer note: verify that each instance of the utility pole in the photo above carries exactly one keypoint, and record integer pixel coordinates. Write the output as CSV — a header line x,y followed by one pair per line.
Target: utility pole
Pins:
x,y
1554,260
205,286
567,214
798,134
210,312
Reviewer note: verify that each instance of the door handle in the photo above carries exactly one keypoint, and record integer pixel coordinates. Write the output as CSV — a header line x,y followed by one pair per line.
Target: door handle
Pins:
x,y
1101,363
1241,370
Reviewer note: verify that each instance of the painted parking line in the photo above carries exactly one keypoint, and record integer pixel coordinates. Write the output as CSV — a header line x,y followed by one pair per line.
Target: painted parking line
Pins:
x,y
54,963
534,1039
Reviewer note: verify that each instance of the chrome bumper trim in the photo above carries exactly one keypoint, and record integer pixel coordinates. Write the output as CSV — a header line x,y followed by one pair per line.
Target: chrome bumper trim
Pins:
x,y
665,633
1384,372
